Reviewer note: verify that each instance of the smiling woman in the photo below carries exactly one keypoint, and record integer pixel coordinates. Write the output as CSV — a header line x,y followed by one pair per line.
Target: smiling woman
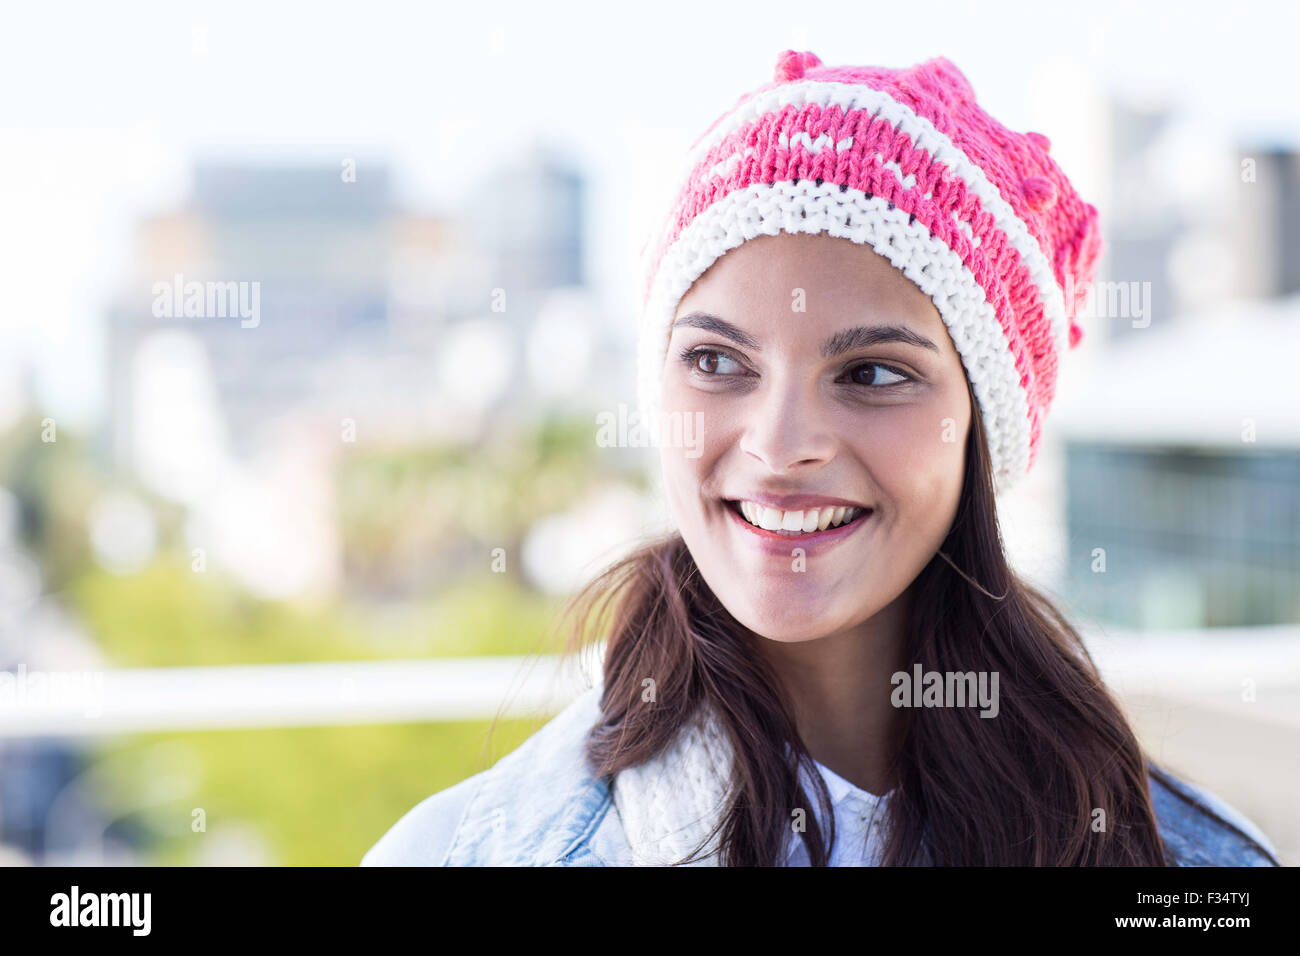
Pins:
x,y
859,294
856,402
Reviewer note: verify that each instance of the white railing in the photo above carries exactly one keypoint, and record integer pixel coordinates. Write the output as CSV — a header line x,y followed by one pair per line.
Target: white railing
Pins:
x,y
1212,669
95,703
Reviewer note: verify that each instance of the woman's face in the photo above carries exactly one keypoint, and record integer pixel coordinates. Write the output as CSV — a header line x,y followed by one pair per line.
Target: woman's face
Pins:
x,y
823,379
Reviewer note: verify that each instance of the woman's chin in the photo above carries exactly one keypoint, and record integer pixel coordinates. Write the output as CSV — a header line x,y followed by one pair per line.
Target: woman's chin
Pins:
x,y
787,624
780,600
788,632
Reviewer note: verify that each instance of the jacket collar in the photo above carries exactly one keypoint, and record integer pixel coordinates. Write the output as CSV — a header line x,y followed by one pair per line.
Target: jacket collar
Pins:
x,y
654,814
564,798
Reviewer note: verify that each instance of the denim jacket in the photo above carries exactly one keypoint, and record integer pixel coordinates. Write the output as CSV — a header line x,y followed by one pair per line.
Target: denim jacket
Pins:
x,y
541,806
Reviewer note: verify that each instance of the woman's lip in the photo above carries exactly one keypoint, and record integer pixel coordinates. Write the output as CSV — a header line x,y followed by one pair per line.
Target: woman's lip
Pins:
x,y
775,543
797,502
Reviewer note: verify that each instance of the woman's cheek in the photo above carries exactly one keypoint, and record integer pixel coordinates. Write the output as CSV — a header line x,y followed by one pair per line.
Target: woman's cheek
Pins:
x,y
920,441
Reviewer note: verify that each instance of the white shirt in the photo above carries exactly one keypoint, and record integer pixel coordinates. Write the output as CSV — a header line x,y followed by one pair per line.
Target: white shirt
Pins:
x,y
859,823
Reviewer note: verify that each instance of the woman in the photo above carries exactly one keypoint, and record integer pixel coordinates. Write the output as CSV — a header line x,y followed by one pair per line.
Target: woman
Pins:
x,y
860,298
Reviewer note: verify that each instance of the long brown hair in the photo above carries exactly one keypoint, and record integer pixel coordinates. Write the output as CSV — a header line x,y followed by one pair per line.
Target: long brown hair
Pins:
x,y
1023,788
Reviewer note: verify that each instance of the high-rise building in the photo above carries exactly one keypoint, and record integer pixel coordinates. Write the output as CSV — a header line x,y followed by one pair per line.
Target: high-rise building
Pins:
x,y
277,270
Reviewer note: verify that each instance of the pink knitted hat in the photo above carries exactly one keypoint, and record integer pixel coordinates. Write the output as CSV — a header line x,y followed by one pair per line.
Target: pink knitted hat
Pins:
x,y
905,161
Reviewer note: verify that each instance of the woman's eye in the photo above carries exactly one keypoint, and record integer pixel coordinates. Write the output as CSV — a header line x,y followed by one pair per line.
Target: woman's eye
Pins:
x,y
869,373
710,362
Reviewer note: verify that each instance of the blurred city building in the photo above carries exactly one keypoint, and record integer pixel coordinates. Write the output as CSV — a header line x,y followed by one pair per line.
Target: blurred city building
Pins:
x,y
329,317
1181,473
1182,490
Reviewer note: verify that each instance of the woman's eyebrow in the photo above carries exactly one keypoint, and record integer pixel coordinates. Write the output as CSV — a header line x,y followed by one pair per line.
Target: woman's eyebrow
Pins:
x,y
846,340
711,323
863,336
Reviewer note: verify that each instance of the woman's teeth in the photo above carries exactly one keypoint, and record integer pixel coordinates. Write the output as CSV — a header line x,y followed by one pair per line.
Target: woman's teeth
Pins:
x,y
797,522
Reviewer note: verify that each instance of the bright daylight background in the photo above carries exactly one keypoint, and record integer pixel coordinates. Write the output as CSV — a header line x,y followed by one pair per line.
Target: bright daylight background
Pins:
x,y
264,581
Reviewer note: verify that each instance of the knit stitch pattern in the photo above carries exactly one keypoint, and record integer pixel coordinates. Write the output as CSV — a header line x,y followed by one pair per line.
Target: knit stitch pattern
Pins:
x,y
669,804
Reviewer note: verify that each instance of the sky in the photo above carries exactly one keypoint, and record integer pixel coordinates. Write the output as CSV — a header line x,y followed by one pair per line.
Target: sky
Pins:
x,y
107,106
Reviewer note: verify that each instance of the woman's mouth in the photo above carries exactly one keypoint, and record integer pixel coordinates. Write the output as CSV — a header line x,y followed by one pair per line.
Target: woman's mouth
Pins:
x,y
793,525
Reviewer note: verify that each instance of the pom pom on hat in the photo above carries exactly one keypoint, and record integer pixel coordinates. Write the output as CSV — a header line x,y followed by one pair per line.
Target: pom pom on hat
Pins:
x,y
791,65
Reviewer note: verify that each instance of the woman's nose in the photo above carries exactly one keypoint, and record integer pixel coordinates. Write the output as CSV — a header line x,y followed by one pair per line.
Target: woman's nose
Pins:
x,y
787,425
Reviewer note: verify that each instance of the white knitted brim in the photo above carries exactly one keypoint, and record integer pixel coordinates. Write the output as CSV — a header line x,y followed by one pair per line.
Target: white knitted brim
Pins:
x,y
805,207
